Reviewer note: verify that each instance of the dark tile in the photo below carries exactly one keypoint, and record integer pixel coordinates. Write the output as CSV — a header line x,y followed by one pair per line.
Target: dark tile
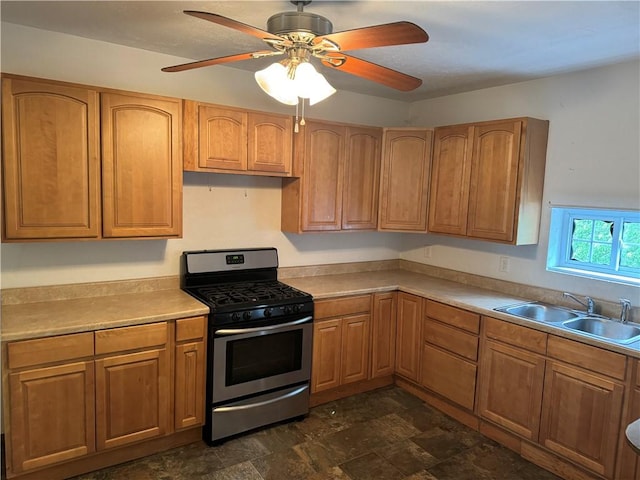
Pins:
x,y
443,444
353,442
371,466
283,464
191,461
393,428
239,471
408,457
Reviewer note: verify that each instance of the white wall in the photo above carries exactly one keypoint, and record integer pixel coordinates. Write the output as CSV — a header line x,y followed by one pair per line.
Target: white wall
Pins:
x,y
220,211
593,159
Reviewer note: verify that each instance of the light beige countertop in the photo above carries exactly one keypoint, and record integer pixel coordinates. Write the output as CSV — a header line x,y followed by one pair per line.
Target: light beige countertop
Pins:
x,y
58,317
460,295
108,307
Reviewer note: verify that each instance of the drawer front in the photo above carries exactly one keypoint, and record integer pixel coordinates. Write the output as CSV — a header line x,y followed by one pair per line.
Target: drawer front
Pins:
x,y
190,328
449,376
585,356
516,335
131,338
342,306
452,339
40,351
453,316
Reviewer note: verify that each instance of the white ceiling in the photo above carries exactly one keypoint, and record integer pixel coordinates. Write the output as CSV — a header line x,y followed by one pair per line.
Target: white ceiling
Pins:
x,y
472,45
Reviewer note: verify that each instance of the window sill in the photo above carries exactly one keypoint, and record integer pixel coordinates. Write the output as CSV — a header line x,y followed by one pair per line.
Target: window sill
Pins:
x,y
605,277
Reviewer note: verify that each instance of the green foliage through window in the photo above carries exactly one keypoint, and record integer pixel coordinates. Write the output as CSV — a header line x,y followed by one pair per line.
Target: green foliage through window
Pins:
x,y
597,243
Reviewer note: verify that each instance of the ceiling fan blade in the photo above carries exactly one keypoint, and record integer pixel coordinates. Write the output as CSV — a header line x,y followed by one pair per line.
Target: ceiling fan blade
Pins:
x,y
227,22
398,33
375,73
218,60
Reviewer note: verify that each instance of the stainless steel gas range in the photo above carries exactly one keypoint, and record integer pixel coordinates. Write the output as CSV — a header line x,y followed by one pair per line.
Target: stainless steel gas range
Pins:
x,y
260,339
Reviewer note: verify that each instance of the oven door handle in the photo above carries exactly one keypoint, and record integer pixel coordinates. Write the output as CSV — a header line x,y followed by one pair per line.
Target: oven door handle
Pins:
x,y
238,331
232,408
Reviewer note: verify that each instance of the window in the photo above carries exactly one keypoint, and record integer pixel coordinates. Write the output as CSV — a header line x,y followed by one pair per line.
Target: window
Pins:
x,y
601,244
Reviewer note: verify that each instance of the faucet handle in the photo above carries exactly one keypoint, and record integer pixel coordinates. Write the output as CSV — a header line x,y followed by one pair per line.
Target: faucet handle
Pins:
x,y
625,310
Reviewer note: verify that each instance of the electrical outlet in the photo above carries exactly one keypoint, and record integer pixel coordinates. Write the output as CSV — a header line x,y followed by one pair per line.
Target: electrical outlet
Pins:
x,y
504,264
427,251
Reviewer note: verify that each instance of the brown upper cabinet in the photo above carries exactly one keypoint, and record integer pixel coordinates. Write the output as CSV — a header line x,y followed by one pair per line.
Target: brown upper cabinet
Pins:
x,y
229,140
487,180
54,159
405,180
339,167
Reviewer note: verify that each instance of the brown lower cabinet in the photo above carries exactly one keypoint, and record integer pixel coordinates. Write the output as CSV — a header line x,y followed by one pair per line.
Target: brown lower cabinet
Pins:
x,y
79,395
512,377
582,404
340,342
450,352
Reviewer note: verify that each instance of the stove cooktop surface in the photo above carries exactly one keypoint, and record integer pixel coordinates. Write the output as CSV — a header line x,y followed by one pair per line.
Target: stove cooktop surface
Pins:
x,y
242,295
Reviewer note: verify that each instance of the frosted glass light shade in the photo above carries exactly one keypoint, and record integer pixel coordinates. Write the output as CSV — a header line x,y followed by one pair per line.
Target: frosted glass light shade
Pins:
x,y
306,83
274,81
322,89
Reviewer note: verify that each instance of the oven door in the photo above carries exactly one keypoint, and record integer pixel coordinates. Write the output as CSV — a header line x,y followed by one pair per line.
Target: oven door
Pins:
x,y
248,361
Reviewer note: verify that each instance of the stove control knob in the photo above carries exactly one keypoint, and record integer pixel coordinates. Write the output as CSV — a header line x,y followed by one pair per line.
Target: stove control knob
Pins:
x,y
287,309
267,312
296,308
235,316
246,315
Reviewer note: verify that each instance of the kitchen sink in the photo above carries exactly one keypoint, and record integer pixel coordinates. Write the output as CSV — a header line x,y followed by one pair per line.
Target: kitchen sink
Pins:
x,y
605,328
540,312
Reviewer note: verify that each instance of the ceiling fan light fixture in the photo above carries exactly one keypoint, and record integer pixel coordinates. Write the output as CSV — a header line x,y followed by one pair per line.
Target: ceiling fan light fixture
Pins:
x,y
274,81
296,79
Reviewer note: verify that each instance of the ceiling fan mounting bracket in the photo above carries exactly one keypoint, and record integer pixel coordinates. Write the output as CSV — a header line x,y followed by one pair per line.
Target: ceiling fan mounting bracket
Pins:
x,y
286,22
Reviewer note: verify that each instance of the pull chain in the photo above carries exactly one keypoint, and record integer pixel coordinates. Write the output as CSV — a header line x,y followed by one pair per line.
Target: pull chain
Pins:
x,y
295,127
302,122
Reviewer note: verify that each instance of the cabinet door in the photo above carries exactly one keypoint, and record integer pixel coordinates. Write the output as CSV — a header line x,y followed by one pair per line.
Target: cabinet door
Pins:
x,y
408,335
405,180
362,178
141,166
189,372
222,138
52,415
51,161
270,139
494,178
383,334
449,376
501,369
581,417
450,175
327,346
355,348
132,398
323,176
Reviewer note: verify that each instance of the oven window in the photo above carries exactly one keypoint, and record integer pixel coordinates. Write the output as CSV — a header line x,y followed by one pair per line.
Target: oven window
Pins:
x,y
263,356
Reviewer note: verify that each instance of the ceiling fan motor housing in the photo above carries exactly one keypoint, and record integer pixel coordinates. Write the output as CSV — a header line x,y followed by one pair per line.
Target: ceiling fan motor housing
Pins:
x,y
287,22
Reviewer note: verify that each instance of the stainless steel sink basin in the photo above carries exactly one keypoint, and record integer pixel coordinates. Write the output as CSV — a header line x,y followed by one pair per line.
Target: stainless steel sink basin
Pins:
x,y
605,328
540,312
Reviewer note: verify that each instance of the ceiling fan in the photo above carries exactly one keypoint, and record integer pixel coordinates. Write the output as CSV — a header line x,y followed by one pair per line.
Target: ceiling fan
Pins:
x,y
300,35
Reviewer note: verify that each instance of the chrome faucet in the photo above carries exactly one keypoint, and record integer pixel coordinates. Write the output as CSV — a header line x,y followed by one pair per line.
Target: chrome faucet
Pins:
x,y
589,304
626,308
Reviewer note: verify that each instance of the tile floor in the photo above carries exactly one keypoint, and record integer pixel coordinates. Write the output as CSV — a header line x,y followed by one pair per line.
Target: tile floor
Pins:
x,y
379,435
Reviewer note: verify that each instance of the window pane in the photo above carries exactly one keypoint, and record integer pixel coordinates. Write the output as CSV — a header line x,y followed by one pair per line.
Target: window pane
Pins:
x,y
631,232
580,251
582,229
630,249
602,231
601,254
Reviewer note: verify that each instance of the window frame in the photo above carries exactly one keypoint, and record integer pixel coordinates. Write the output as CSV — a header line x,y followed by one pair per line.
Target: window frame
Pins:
x,y
560,243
